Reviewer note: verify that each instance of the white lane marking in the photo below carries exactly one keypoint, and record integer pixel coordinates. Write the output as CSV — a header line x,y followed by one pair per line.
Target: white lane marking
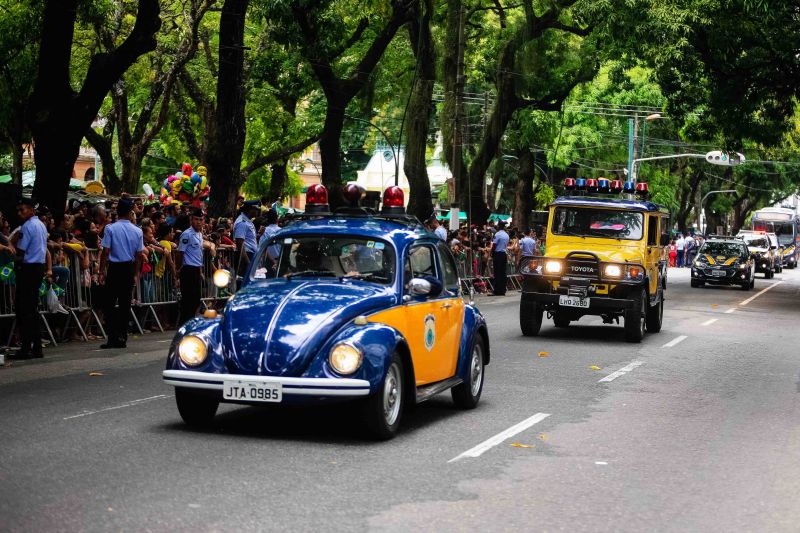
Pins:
x,y
500,437
675,341
731,310
710,321
127,404
759,293
622,371
165,340
600,463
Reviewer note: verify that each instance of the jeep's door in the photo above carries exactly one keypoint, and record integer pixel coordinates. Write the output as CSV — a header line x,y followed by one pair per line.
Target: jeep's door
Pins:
x,y
653,255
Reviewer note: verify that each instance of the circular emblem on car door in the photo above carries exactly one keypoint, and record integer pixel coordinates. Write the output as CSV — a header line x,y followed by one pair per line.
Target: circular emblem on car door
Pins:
x,y
430,332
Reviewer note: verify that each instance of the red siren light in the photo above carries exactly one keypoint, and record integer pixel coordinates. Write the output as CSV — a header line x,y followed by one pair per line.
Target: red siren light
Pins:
x,y
353,193
642,187
616,185
394,201
317,199
569,184
591,185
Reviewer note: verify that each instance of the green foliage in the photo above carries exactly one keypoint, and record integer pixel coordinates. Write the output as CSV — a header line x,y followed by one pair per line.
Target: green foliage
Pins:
x,y
544,196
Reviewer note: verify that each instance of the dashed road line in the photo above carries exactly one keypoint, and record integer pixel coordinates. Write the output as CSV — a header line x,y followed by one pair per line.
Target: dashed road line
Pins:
x,y
621,372
675,341
709,322
731,310
127,404
500,437
759,293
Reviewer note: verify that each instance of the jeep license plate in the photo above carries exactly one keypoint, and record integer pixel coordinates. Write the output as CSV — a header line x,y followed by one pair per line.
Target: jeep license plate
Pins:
x,y
252,392
573,301
718,273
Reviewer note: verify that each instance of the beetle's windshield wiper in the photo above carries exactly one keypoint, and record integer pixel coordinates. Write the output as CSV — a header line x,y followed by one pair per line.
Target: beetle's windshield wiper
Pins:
x,y
311,273
368,276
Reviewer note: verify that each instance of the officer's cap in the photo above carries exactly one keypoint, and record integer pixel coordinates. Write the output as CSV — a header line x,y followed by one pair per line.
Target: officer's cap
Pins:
x,y
26,201
197,213
124,206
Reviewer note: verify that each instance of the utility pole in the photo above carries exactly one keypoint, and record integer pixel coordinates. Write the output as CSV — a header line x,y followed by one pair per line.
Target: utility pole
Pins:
x,y
458,138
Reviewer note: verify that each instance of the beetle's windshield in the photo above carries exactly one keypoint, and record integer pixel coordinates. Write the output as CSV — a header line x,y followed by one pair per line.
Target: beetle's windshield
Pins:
x,y
593,222
344,257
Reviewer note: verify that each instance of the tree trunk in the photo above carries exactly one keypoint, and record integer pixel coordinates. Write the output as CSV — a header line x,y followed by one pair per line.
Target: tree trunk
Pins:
x,y
453,108
420,107
131,169
329,151
278,180
58,116
103,147
17,151
523,194
225,156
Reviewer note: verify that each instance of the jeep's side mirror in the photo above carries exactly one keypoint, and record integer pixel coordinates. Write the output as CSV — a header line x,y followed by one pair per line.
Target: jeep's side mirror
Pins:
x,y
664,240
427,286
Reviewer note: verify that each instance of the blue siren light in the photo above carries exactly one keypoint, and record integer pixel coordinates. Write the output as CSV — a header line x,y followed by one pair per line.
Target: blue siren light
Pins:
x,y
629,187
580,183
603,184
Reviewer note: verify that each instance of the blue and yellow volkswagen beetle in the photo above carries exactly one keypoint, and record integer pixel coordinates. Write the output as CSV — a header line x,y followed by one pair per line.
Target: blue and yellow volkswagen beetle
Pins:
x,y
347,306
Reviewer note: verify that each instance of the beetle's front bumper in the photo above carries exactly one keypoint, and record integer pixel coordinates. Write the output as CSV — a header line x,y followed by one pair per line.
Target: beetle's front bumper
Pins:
x,y
319,387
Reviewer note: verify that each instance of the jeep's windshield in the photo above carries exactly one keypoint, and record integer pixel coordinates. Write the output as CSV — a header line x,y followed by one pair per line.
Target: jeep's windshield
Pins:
x,y
594,222
325,256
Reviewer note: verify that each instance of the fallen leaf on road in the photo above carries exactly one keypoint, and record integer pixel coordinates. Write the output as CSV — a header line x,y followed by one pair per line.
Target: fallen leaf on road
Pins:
x,y
543,436
543,354
595,367
714,306
96,374
518,445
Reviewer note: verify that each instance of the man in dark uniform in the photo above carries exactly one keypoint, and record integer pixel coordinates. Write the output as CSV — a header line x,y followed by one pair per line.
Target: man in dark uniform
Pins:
x,y
123,246
500,259
36,263
189,261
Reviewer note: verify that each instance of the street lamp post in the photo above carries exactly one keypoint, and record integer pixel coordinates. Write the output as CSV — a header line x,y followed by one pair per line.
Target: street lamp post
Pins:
x,y
703,203
385,136
319,174
716,157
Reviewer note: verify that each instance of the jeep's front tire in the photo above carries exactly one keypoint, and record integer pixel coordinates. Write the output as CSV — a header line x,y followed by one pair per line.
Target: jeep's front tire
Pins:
x,y
530,318
636,317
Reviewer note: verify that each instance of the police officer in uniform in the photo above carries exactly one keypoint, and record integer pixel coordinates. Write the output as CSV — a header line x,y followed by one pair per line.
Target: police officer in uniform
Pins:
x,y
500,259
123,247
36,264
189,261
244,233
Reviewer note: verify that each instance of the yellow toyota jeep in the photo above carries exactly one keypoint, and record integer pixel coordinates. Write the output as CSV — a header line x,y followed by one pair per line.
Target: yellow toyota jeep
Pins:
x,y
605,256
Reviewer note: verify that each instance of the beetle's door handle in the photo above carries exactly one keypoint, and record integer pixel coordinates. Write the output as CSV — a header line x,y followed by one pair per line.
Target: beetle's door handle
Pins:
x,y
447,306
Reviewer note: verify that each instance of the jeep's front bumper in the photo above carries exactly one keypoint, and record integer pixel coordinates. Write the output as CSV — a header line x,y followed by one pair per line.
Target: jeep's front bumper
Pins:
x,y
597,304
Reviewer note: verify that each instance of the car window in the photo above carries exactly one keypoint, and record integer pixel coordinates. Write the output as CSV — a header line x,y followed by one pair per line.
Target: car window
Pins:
x,y
726,249
448,268
420,262
652,231
598,222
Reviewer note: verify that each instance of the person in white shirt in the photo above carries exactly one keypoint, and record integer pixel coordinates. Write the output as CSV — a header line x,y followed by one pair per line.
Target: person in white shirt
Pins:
x,y
680,243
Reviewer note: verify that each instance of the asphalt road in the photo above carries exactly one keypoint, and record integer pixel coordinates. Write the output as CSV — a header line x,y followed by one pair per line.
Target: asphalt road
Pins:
x,y
697,428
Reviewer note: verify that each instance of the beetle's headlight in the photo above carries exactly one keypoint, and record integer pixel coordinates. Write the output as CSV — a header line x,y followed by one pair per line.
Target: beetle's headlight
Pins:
x,y
552,267
192,350
613,271
222,278
345,358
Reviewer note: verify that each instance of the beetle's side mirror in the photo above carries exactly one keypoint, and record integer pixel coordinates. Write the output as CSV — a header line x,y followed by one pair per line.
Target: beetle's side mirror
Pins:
x,y
664,239
427,286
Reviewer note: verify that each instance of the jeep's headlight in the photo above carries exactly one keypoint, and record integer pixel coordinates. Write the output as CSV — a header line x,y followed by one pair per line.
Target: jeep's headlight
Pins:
x,y
552,267
345,358
613,271
222,278
192,350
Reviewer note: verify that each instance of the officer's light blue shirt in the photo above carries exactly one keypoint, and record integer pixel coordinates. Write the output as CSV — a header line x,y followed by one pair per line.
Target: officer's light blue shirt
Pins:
x,y
500,241
191,244
275,249
441,233
244,228
124,240
33,241
528,246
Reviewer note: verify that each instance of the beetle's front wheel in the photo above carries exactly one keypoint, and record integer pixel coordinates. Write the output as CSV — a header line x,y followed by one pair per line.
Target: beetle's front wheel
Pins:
x,y
468,393
196,409
383,410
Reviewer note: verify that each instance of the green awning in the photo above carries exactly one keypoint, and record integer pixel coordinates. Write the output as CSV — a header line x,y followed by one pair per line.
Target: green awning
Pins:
x,y
494,217
461,216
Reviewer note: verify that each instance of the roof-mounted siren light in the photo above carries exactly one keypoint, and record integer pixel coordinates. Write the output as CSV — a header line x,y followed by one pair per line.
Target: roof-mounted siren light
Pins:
x,y
591,185
616,186
394,201
317,199
629,187
580,185
569,184
642,190
353,193
603,185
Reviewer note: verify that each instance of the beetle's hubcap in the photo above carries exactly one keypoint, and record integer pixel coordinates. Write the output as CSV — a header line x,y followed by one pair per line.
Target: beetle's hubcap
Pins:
x,y
392,394
476,370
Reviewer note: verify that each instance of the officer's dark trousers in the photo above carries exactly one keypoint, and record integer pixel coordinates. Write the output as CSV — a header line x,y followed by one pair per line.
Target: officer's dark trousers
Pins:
x,y
117,309
29,279
190,293
499,261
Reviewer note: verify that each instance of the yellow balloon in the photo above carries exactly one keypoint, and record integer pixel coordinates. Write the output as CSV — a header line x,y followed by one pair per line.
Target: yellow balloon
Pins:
x,y
203,181
202,171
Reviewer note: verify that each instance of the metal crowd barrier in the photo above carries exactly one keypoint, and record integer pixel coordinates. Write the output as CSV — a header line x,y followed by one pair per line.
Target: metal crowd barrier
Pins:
x,y
477,272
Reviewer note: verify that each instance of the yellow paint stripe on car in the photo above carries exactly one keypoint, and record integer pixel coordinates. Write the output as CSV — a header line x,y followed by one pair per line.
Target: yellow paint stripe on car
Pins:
x,y
710,260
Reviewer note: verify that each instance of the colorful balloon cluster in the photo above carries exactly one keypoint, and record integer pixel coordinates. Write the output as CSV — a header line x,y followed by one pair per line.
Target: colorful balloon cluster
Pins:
x,y
186,186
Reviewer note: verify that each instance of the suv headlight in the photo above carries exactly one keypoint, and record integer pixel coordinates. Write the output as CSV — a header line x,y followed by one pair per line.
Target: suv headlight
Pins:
x,y
612,271
192,350
345,358
552,267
